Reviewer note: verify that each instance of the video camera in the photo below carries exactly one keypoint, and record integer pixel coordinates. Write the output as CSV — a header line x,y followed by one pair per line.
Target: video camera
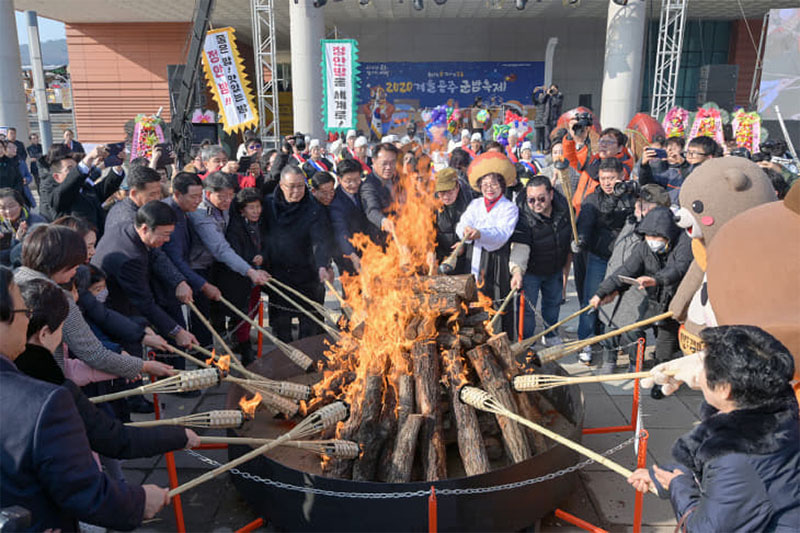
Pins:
x,y
584,120
631,187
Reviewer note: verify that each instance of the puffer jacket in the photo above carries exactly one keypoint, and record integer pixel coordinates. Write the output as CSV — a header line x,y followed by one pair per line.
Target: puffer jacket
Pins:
x,y
743,469
667,267
602,218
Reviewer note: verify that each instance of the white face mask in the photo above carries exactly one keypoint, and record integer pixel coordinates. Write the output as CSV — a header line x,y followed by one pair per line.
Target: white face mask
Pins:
x,y
102,296
656,246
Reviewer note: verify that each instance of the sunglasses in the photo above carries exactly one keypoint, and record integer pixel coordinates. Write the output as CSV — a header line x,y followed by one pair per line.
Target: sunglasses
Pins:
x,y
538,199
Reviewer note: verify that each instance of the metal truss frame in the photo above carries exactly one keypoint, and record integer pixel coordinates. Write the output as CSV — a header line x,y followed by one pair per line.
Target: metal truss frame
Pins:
x,y
668,56
264,49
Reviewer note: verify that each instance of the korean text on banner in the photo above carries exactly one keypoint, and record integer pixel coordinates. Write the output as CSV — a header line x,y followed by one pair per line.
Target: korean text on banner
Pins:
x,y
340,84
228,82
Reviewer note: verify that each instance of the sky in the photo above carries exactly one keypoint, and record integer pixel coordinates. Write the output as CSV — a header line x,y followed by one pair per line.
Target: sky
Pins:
x,y
49,30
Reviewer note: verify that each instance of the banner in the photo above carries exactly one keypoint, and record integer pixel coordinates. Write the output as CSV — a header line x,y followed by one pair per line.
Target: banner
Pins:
x,y
228,82
340,72
435,83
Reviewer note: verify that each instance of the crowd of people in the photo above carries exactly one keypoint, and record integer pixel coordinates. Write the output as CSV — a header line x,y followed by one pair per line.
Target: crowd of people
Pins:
x,y
105,254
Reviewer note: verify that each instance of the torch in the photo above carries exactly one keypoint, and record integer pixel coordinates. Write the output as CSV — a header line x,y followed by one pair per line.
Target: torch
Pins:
x,y
449,264
480,399
313,424
538,382
203,378
340,449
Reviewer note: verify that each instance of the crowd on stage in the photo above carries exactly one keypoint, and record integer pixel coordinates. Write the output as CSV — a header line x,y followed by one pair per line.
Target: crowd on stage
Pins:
x,y
100,256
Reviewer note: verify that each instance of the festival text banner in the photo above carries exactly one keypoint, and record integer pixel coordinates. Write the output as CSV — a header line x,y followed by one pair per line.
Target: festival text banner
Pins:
x,y
340,71
228,82
435,83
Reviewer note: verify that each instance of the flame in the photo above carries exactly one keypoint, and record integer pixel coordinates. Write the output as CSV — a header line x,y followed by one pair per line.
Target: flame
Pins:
x,y
248,407
222,362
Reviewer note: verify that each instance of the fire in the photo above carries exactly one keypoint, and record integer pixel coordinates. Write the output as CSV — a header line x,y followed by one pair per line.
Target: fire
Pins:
x,y
248,407
222,362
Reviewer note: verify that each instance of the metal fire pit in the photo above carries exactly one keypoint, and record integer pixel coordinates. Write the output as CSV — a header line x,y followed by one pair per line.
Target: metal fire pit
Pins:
x,y
506,510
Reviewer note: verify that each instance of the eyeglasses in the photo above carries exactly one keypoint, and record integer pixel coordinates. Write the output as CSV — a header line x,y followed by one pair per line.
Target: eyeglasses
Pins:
x,y
254,146
27,312
538,199
694,153
607,143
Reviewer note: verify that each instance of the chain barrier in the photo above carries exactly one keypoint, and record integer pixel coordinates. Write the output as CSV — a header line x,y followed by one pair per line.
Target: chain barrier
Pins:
x,y
417,493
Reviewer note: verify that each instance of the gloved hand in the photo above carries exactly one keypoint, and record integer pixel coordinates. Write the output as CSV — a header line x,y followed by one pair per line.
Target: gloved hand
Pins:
x,y
576,246
672,374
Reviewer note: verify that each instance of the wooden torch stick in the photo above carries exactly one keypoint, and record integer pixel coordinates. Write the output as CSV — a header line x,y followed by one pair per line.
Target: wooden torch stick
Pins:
x,y
519,347
314,423
537,382
449,264
345,308
496,318
187,356
557,352
321,309
484,401
207,323
567,187
331,331
296,356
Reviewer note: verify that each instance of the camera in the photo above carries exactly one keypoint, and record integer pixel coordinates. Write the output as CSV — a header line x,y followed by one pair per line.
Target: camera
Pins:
x,y
584,120
741,151
300,141
561,164
773,147
623,188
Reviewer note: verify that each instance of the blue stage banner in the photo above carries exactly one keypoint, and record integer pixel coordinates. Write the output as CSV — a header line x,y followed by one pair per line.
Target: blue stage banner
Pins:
x,y
433,84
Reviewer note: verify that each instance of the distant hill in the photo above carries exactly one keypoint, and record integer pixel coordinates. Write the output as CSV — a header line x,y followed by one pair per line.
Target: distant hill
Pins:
x,y
53,53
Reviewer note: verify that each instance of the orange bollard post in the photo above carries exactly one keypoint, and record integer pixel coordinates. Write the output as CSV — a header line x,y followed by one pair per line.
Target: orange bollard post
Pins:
x,y
640,345
638,501
252,526
432,512
172,472
260,343
521,322
575,521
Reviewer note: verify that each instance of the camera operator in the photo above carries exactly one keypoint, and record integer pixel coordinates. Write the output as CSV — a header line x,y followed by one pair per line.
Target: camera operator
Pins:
x,y
552,100
298,144
605,212
610,146
577,144
666,167
773,155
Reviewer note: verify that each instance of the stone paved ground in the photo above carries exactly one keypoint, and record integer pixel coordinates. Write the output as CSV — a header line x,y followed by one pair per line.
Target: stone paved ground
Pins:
x,y
601,497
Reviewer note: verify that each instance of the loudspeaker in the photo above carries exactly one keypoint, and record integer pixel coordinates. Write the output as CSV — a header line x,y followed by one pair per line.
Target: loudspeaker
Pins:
x,y
717,83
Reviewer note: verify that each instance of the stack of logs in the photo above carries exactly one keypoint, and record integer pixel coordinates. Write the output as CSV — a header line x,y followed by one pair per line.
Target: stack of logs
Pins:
x,y
417,414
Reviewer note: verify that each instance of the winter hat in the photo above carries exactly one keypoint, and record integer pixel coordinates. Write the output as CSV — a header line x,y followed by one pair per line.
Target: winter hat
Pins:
x,y
476,137
526,146
491,163
656,194
351,133
446,179
313,144
361,141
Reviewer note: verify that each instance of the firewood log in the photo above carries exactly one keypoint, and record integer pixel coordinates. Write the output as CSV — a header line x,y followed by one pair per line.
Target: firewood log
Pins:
x,y
493,379
502,349
405,447
369,435
470,442
426,379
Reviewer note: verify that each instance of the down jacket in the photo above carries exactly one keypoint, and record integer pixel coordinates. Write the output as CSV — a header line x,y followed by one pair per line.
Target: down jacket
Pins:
x,y
743,469
667,268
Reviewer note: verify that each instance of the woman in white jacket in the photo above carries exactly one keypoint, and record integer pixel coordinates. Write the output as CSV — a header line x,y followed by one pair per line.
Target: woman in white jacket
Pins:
x,y
488,223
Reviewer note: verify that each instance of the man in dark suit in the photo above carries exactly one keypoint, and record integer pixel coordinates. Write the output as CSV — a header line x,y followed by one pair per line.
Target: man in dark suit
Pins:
x,y
379,188
70,188
47,465
348,217
125,256
71,144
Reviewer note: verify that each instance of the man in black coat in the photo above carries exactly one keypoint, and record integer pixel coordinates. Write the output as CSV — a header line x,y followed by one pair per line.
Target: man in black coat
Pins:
x,y
125,256
70,188
46,463
658,263
603,215
347,216
297,250
10,176
380,188
539,249
71,144
455,195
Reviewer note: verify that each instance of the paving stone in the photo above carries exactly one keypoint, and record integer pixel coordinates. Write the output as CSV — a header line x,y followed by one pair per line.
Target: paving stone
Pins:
x,y
615,498
601,411
665,413
605,441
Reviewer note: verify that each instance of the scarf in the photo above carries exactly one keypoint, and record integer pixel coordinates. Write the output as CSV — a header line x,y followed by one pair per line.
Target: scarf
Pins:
x,y
489,205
